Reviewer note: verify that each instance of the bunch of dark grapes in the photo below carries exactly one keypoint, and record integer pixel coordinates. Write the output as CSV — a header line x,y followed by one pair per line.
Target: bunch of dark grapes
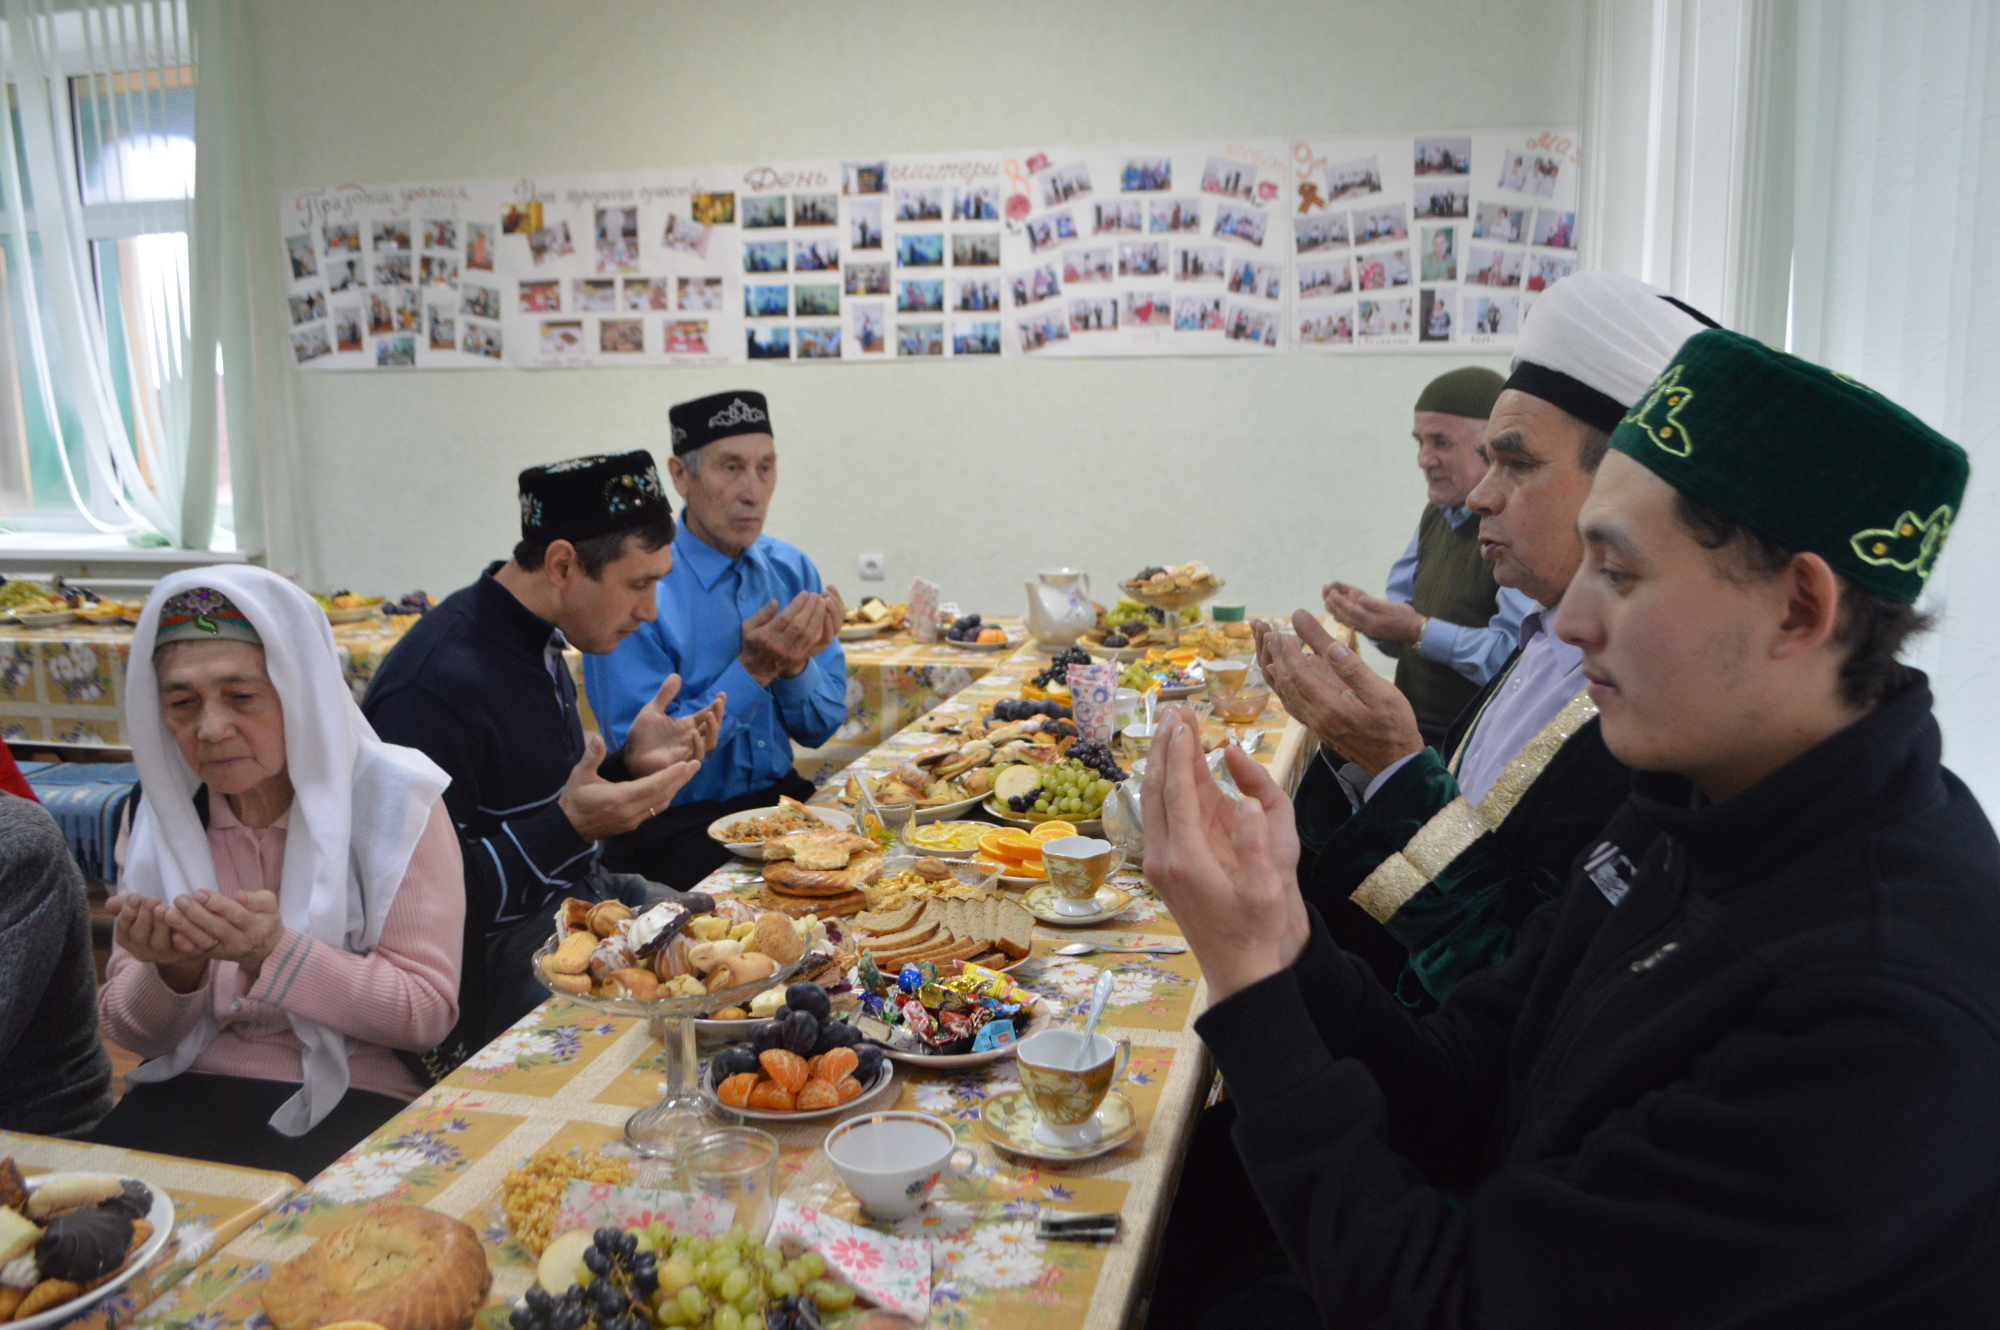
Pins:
x,y
965,628
1058,670
619,1297
416,602
1098,758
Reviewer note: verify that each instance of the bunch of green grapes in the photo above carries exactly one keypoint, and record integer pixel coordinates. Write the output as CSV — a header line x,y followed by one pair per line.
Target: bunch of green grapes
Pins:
x,y
1135,676
1071,789
725,1282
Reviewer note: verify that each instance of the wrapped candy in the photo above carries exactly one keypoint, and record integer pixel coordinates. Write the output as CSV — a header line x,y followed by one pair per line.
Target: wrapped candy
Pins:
x,y
910,978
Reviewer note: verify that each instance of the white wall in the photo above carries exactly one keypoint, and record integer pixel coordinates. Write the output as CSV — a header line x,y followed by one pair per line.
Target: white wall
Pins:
x,y
1279,473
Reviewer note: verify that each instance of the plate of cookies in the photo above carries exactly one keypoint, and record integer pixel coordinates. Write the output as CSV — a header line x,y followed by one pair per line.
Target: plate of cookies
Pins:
x,y
70,1239
610,957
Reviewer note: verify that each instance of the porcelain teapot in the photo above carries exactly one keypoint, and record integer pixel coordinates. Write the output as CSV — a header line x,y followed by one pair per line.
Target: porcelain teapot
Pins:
x,y
1059,608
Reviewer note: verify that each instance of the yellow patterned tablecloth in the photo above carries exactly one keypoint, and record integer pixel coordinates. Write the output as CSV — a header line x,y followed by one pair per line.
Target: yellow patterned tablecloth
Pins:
x,y
213,1204
568,1076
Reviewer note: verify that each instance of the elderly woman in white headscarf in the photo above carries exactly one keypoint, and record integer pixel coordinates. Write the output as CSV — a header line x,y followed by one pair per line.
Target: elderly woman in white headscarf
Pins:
x,y
293,898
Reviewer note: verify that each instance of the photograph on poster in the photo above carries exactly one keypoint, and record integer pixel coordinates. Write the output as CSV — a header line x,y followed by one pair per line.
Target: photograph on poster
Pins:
x,y
1117,217
868,279
713,209
1492,267
344,273
1325,277
1443,198
1147,174
1257,279
699,292
311,305
621,337
1251,323
864,224
764,256
483,301
1197,313
1142,258
687,337
1146,309
592,295
1050,229
347,327
819,343
1497,221
919,339
521,218
617,232
551,242
981,249
976,294
1555,229
816,301
541,297
437,270
648,293
1172,215
1526,173
864,177
1320,232
443,329
1247,224
1383,268
1198,263
815,210
685,237
441,233
1333,327
305,259
1384,318
976,203
1434,314
815,255
1042,329
975,337
1036,285
920,204
391,236
479,252
409,309
767,302
868,328
1063,183
1350,178
481,340
392,270
768,343
1087,265
1491,316
381,318
396,353
1229,177
1451,156
761,212
925,250
1545,270
342,235
1093,314
1385,223
920,297
1440,251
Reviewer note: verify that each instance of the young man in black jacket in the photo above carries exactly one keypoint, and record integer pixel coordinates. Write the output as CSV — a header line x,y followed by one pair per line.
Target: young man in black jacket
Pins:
x,y
1741,1073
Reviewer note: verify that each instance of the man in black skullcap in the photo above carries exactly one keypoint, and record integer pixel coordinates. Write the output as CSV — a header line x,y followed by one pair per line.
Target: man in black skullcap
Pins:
x,y
481,687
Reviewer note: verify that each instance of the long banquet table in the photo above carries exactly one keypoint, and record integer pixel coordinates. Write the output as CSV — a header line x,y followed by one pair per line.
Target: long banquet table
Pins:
x,y
566,1076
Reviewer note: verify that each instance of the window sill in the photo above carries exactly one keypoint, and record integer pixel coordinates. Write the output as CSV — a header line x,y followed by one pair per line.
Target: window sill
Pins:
x,y
83,555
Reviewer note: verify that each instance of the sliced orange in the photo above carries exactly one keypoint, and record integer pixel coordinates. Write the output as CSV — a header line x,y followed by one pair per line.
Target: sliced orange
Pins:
x,y
1054,829
1012,845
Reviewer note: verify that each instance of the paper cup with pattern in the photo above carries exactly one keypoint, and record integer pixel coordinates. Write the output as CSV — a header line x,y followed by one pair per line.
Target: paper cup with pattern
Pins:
x,y
1093,700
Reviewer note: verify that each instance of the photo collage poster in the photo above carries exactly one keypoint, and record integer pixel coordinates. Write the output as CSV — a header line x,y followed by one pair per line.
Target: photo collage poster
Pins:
x,y
1255,247
1428,241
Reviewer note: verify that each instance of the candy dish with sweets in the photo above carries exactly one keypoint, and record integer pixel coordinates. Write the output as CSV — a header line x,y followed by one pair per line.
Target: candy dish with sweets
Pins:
x,y
940,1021
68,1240
745,833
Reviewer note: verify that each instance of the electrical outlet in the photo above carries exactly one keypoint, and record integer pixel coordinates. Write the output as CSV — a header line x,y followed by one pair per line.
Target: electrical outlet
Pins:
x,y
871,567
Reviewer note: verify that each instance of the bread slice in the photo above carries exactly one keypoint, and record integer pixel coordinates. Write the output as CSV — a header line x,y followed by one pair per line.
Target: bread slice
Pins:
x,y
893,920
1014,929
922,930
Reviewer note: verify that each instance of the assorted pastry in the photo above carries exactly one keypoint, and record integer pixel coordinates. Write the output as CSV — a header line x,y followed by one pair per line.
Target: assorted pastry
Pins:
x,y
818,873
603,949
401,1267
801,1060
1183,579
928,878
874,610
66,1236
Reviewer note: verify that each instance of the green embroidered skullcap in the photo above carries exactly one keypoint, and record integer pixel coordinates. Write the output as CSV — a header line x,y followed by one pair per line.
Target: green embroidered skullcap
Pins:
x,y
203,615
1468,392
1803,456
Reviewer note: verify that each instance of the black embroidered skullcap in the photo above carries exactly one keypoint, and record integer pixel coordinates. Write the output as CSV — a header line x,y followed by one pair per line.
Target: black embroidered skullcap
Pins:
x,y
719,416
591,496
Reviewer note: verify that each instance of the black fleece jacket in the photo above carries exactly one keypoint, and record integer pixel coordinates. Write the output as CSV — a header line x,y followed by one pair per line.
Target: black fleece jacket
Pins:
x,y
1745,1072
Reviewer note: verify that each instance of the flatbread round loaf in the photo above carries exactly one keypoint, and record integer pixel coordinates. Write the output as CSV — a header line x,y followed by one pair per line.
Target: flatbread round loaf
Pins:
x,y
826,907
402,1267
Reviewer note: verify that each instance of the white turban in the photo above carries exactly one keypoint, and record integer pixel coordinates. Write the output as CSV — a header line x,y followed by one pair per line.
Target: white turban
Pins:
x,y
1596,341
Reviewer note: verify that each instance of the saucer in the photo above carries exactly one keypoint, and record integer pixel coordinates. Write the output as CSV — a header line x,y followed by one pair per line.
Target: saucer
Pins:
x,y
1110,902
1010,1124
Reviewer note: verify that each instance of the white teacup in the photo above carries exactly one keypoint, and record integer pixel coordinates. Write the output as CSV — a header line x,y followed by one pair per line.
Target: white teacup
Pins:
x,y
1067,1080
890,1161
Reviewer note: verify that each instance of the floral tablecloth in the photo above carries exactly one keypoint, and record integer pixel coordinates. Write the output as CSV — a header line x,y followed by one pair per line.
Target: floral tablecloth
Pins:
x,y
566,1076
213,1203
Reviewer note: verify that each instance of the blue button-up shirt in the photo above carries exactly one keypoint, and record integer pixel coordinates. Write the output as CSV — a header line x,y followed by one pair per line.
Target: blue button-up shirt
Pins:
x,y
1476,653
699,635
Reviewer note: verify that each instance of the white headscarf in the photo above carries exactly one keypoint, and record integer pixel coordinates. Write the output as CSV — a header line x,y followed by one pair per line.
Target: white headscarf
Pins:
x,y
358,808
1613,334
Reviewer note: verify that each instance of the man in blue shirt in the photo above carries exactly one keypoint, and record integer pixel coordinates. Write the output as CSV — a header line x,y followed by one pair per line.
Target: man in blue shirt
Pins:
x,y
742,617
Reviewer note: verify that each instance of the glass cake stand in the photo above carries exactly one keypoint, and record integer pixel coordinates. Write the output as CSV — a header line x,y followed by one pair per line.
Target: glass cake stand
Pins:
x,y
1172,600
660,1130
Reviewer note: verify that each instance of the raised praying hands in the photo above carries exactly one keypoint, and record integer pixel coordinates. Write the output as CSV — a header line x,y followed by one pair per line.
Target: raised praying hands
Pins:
x,y
780,643
1348,707
657,740
182,937
1372,616
600,808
